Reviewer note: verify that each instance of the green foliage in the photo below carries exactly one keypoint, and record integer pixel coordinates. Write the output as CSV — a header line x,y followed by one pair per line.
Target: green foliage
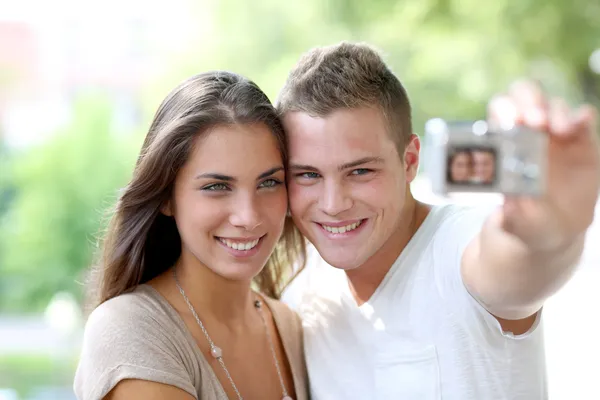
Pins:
x,y
24,373
63,188
6,176
451,55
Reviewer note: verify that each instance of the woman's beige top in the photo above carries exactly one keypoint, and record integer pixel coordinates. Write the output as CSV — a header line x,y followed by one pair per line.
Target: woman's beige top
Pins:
x,y
139,335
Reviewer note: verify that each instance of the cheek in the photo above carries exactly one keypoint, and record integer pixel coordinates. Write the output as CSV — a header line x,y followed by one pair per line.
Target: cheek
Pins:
x,y
381,194
275,207
300,196
197,215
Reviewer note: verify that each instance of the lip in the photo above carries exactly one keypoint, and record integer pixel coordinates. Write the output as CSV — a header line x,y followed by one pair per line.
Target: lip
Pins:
x,y
241,253
240,239
346,235
342,223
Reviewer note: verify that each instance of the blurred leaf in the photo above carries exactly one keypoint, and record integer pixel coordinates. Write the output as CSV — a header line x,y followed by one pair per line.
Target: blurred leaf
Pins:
x,y
62,190
451,55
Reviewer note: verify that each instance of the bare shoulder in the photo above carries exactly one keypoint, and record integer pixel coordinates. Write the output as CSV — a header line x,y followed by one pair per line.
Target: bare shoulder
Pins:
x,y
136,389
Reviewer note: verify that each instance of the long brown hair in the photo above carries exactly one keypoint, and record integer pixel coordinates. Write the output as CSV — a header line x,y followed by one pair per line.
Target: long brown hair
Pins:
x,y
141,242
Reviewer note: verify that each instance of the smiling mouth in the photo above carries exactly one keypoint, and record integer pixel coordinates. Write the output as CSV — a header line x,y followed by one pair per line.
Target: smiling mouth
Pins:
x,y
239,244
342,229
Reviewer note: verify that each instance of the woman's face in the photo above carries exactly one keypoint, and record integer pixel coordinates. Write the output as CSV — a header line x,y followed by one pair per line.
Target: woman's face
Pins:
x,y
460,169
230,200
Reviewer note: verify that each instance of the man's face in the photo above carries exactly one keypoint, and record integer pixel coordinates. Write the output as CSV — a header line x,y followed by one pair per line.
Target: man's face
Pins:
x,y
347,184
484,166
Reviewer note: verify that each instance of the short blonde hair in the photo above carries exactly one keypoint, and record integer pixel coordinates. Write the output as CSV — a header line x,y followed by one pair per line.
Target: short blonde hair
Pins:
x,y
347,75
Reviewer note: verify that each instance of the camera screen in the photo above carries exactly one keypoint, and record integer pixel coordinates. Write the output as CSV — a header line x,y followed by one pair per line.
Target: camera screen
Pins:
x,y
468,165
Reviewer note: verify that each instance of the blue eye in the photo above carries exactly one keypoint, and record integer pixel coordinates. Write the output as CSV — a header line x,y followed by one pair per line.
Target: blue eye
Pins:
x,y
361,171
216,187
308,175
269,183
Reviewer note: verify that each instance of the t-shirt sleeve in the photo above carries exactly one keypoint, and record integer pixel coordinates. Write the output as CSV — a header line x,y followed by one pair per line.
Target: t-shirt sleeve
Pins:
x,y
123,341
457,229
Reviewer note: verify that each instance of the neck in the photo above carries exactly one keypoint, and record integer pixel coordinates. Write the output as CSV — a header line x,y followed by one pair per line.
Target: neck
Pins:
x,y
213,297
365,279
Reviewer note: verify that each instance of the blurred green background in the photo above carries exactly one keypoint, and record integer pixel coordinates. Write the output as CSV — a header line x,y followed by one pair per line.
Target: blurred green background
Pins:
x,y
80,81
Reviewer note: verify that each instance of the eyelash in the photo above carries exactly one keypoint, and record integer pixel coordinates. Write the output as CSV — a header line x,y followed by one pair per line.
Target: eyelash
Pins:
x,y
304,175
364,170
219,187
275,182
213,187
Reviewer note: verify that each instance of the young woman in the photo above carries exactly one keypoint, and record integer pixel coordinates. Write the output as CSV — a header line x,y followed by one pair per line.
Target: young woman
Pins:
x,y
195,254
460,168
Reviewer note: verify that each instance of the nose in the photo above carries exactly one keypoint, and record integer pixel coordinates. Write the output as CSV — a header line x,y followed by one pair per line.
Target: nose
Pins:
x,y
245,213
335,199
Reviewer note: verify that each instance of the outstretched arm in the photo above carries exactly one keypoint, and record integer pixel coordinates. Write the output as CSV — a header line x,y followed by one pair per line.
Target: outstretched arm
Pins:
x,y
529,248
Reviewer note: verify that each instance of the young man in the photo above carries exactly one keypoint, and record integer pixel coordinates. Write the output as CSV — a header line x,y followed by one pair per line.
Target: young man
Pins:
x,y
484,166
422,302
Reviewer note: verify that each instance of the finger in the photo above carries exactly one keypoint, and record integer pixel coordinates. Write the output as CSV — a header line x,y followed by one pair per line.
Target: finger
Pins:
x,y
584,125
530,99
586,117
502,112
561,120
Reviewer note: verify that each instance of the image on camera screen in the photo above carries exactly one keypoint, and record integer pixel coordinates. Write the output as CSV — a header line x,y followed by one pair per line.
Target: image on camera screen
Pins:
x,y
474,166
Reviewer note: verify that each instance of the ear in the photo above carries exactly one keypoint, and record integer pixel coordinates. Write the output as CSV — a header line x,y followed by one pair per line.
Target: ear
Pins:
x,y
166,208
411,158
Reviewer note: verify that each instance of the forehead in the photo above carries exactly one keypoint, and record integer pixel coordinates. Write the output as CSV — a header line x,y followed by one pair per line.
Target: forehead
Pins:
x,y
235,150
342,135
483,154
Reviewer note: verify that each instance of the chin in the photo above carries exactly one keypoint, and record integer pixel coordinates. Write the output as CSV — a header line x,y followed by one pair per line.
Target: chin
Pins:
x,y
239,276
238,272
341,260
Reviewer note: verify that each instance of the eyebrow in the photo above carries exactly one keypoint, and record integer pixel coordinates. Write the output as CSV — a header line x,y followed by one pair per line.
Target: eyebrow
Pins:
x,y
352,164
361,161
227,178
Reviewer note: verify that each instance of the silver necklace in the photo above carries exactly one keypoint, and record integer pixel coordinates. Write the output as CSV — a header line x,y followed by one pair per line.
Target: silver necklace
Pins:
x,y
216,351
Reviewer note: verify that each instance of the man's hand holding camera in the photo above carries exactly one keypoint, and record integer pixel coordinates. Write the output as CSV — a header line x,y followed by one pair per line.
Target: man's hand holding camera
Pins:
x,y
567,209
528,249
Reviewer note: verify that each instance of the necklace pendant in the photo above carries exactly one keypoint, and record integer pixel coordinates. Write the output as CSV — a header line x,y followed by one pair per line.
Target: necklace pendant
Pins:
x,y
216,352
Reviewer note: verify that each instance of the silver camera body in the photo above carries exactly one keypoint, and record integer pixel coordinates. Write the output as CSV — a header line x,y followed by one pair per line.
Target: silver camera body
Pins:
x,y
472,157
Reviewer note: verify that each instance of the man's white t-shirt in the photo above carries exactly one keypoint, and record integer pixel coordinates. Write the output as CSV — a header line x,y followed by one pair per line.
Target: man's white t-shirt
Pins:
x,y
421,335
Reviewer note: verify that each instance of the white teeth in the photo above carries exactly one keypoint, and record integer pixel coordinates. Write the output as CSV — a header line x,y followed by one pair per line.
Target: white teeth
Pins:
x,y
341,229
239,245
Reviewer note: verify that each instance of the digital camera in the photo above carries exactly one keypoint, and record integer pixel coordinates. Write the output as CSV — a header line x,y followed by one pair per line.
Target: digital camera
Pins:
x,y
472,157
